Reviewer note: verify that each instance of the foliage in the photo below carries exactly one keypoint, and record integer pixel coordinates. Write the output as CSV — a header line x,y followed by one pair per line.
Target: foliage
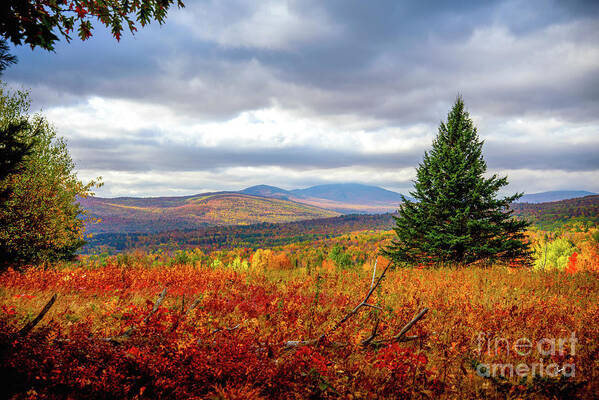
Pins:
x,y
341,258
554,254
580,213
181,352
456,217
569,251
5,58
39,218
40,22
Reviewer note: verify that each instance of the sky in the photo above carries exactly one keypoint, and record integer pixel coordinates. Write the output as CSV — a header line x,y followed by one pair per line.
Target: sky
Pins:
x,y
229,94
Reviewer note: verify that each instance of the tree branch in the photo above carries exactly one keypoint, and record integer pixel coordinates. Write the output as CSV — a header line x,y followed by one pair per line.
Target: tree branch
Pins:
x,y
31,324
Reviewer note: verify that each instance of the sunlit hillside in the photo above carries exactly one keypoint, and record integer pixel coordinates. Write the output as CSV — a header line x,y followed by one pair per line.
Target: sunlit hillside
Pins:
x,y
160,214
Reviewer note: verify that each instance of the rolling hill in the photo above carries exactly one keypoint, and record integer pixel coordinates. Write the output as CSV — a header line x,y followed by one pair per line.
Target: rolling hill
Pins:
x,y
346,198
127,214
549,216
555,195
255,204
554,215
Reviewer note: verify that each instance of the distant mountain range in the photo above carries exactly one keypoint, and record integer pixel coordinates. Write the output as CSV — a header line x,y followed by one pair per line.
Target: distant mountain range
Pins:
x,y
555,195
256,204
158,214
551,216
345,198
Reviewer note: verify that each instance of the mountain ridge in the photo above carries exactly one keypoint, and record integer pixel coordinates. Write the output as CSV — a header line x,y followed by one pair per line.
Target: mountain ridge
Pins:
x,y
254,204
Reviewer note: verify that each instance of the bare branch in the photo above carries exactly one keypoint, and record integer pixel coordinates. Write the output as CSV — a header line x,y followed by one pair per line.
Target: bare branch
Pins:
x,y
407,327
376,260
226,329
31,324
375,328
157,304
194,304
362,304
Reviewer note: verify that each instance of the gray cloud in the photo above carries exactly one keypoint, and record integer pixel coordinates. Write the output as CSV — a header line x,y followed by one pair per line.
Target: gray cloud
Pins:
x,y
389,65
147,154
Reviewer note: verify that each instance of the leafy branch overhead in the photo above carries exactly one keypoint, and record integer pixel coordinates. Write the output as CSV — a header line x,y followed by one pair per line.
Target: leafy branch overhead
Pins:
x,y
40,23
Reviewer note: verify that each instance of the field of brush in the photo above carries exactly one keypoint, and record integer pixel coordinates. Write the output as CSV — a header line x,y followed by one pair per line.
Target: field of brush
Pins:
x,y
277,323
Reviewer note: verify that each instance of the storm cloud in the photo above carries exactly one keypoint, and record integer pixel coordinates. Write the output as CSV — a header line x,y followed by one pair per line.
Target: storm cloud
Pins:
x,y
325,91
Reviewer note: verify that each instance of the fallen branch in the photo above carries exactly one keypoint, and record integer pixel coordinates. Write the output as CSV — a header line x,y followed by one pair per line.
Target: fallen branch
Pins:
x,y
31,324
364,303
401,336
226,329
375,328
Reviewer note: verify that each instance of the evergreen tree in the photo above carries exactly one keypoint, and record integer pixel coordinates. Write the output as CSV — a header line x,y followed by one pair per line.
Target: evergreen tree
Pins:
x,y
456,217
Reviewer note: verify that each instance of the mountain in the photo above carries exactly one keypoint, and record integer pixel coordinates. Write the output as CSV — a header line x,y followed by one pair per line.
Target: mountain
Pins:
x,y
346,198
267,191
555,195
353,193
127,214
547,216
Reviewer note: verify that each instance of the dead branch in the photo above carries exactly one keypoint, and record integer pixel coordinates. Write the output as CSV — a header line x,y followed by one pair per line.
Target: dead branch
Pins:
x,y
401,336
364,303
225,329
31,324
410,324
194,305
157,304
375,328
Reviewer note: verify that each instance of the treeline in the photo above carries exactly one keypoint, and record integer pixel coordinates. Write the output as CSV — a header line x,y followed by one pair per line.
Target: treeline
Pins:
x,y
250,236
582,212
565,214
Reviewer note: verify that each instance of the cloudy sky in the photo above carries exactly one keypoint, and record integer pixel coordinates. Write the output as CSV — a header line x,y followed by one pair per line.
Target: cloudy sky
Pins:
x,y
229,94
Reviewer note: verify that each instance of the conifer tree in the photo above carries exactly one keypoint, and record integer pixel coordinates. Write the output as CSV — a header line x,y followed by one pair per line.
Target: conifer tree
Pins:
x,y
456,217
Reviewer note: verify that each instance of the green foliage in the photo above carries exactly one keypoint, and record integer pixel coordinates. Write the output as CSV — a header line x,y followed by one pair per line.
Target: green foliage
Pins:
x,y
456,217
40,22
553,254
239,265
340,257
40,219
5,58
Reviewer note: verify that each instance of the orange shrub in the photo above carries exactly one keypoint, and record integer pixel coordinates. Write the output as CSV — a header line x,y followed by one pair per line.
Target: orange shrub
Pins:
x,y
280,261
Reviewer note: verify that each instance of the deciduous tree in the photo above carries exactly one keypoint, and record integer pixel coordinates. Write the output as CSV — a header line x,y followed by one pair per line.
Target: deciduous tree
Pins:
x,y
40,219
40,23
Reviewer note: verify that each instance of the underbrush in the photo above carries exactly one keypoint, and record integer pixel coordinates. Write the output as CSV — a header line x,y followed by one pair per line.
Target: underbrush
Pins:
x,y
223,332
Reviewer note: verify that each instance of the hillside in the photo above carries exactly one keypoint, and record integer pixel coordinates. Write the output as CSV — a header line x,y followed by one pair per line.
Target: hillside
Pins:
x,y
555,195
547,216
554,215
169,213
346,198
262,203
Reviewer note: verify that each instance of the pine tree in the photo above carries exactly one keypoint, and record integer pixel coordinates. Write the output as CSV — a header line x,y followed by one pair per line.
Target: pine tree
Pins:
x,y
456,217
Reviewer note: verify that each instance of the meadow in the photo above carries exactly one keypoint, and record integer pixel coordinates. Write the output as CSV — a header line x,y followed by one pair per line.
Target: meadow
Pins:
x,y
240,323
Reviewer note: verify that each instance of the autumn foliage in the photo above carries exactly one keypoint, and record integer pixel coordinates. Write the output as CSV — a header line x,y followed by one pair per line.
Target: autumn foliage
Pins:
x,y
222,329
